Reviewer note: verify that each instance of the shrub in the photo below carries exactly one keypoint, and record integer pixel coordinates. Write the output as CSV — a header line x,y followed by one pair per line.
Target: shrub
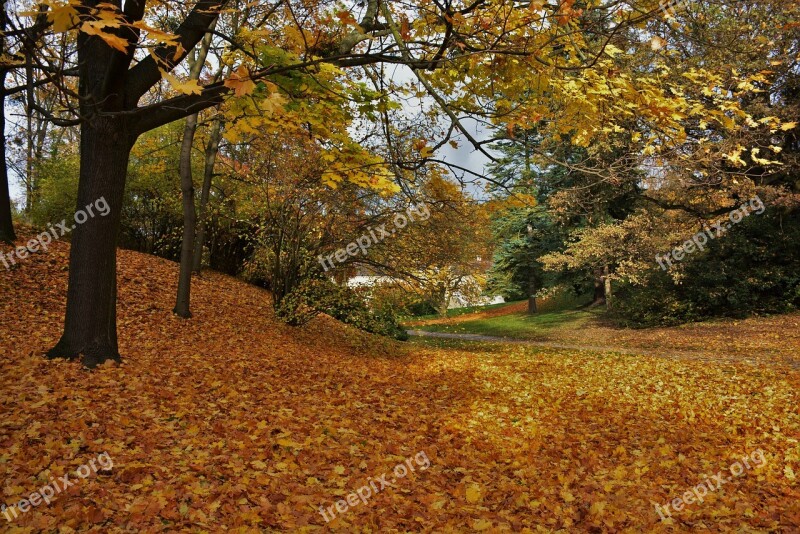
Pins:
x,y
754,269
320,295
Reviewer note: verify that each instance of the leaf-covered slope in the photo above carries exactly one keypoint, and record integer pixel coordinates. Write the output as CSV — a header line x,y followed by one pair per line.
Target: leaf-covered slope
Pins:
x,y
232,422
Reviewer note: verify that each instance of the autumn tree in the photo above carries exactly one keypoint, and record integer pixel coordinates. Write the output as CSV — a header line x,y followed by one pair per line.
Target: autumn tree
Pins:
x,y
461,55
441,248
295,217
719,161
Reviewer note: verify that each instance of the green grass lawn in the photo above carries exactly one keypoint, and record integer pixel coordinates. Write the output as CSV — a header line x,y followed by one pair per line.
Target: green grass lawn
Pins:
x,y
519,326
559,312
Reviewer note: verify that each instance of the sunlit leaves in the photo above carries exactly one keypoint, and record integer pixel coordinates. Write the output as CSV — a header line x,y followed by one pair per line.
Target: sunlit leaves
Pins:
x,y
349,162
249,116
240,82
96,28
188,87
63,16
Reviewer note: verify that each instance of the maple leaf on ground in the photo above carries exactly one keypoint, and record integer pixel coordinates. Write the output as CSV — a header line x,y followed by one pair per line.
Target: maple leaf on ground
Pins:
x,y
232,421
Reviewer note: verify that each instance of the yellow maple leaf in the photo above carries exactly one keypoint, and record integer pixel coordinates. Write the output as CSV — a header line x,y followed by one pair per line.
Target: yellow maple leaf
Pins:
x,y
473,493
283,442
189,87
109,16
481,524
63,17
598,507
157,35
114,41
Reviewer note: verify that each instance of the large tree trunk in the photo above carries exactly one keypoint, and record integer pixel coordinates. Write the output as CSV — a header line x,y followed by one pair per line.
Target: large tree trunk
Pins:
x,y
189,220
6,225
111,119
90,328
212,149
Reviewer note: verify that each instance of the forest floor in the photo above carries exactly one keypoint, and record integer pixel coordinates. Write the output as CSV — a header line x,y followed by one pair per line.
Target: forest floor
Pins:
x,y
231,421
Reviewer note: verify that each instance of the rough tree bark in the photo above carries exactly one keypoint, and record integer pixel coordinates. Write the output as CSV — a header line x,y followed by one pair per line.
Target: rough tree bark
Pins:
x,y
90,327
6,225
111,121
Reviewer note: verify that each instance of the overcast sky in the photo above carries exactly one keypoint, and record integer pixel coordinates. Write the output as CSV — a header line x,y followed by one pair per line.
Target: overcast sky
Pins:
x,y
464,156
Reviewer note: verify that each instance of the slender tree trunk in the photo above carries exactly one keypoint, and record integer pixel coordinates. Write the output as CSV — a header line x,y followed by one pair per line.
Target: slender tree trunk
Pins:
x,y
90,327
29,172
212,149
607,287
599,289
196,62
189,220
30,101
532,293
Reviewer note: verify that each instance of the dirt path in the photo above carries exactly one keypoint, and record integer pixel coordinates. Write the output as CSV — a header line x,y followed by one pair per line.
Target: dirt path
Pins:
x,y
496,339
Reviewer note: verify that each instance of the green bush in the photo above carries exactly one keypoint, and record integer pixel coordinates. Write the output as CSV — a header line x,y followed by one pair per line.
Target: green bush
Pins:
x,y
57,193
316,296
295,308
754,269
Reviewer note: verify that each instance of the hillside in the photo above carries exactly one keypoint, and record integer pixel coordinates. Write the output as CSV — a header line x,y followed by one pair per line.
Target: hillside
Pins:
x,y
231,421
